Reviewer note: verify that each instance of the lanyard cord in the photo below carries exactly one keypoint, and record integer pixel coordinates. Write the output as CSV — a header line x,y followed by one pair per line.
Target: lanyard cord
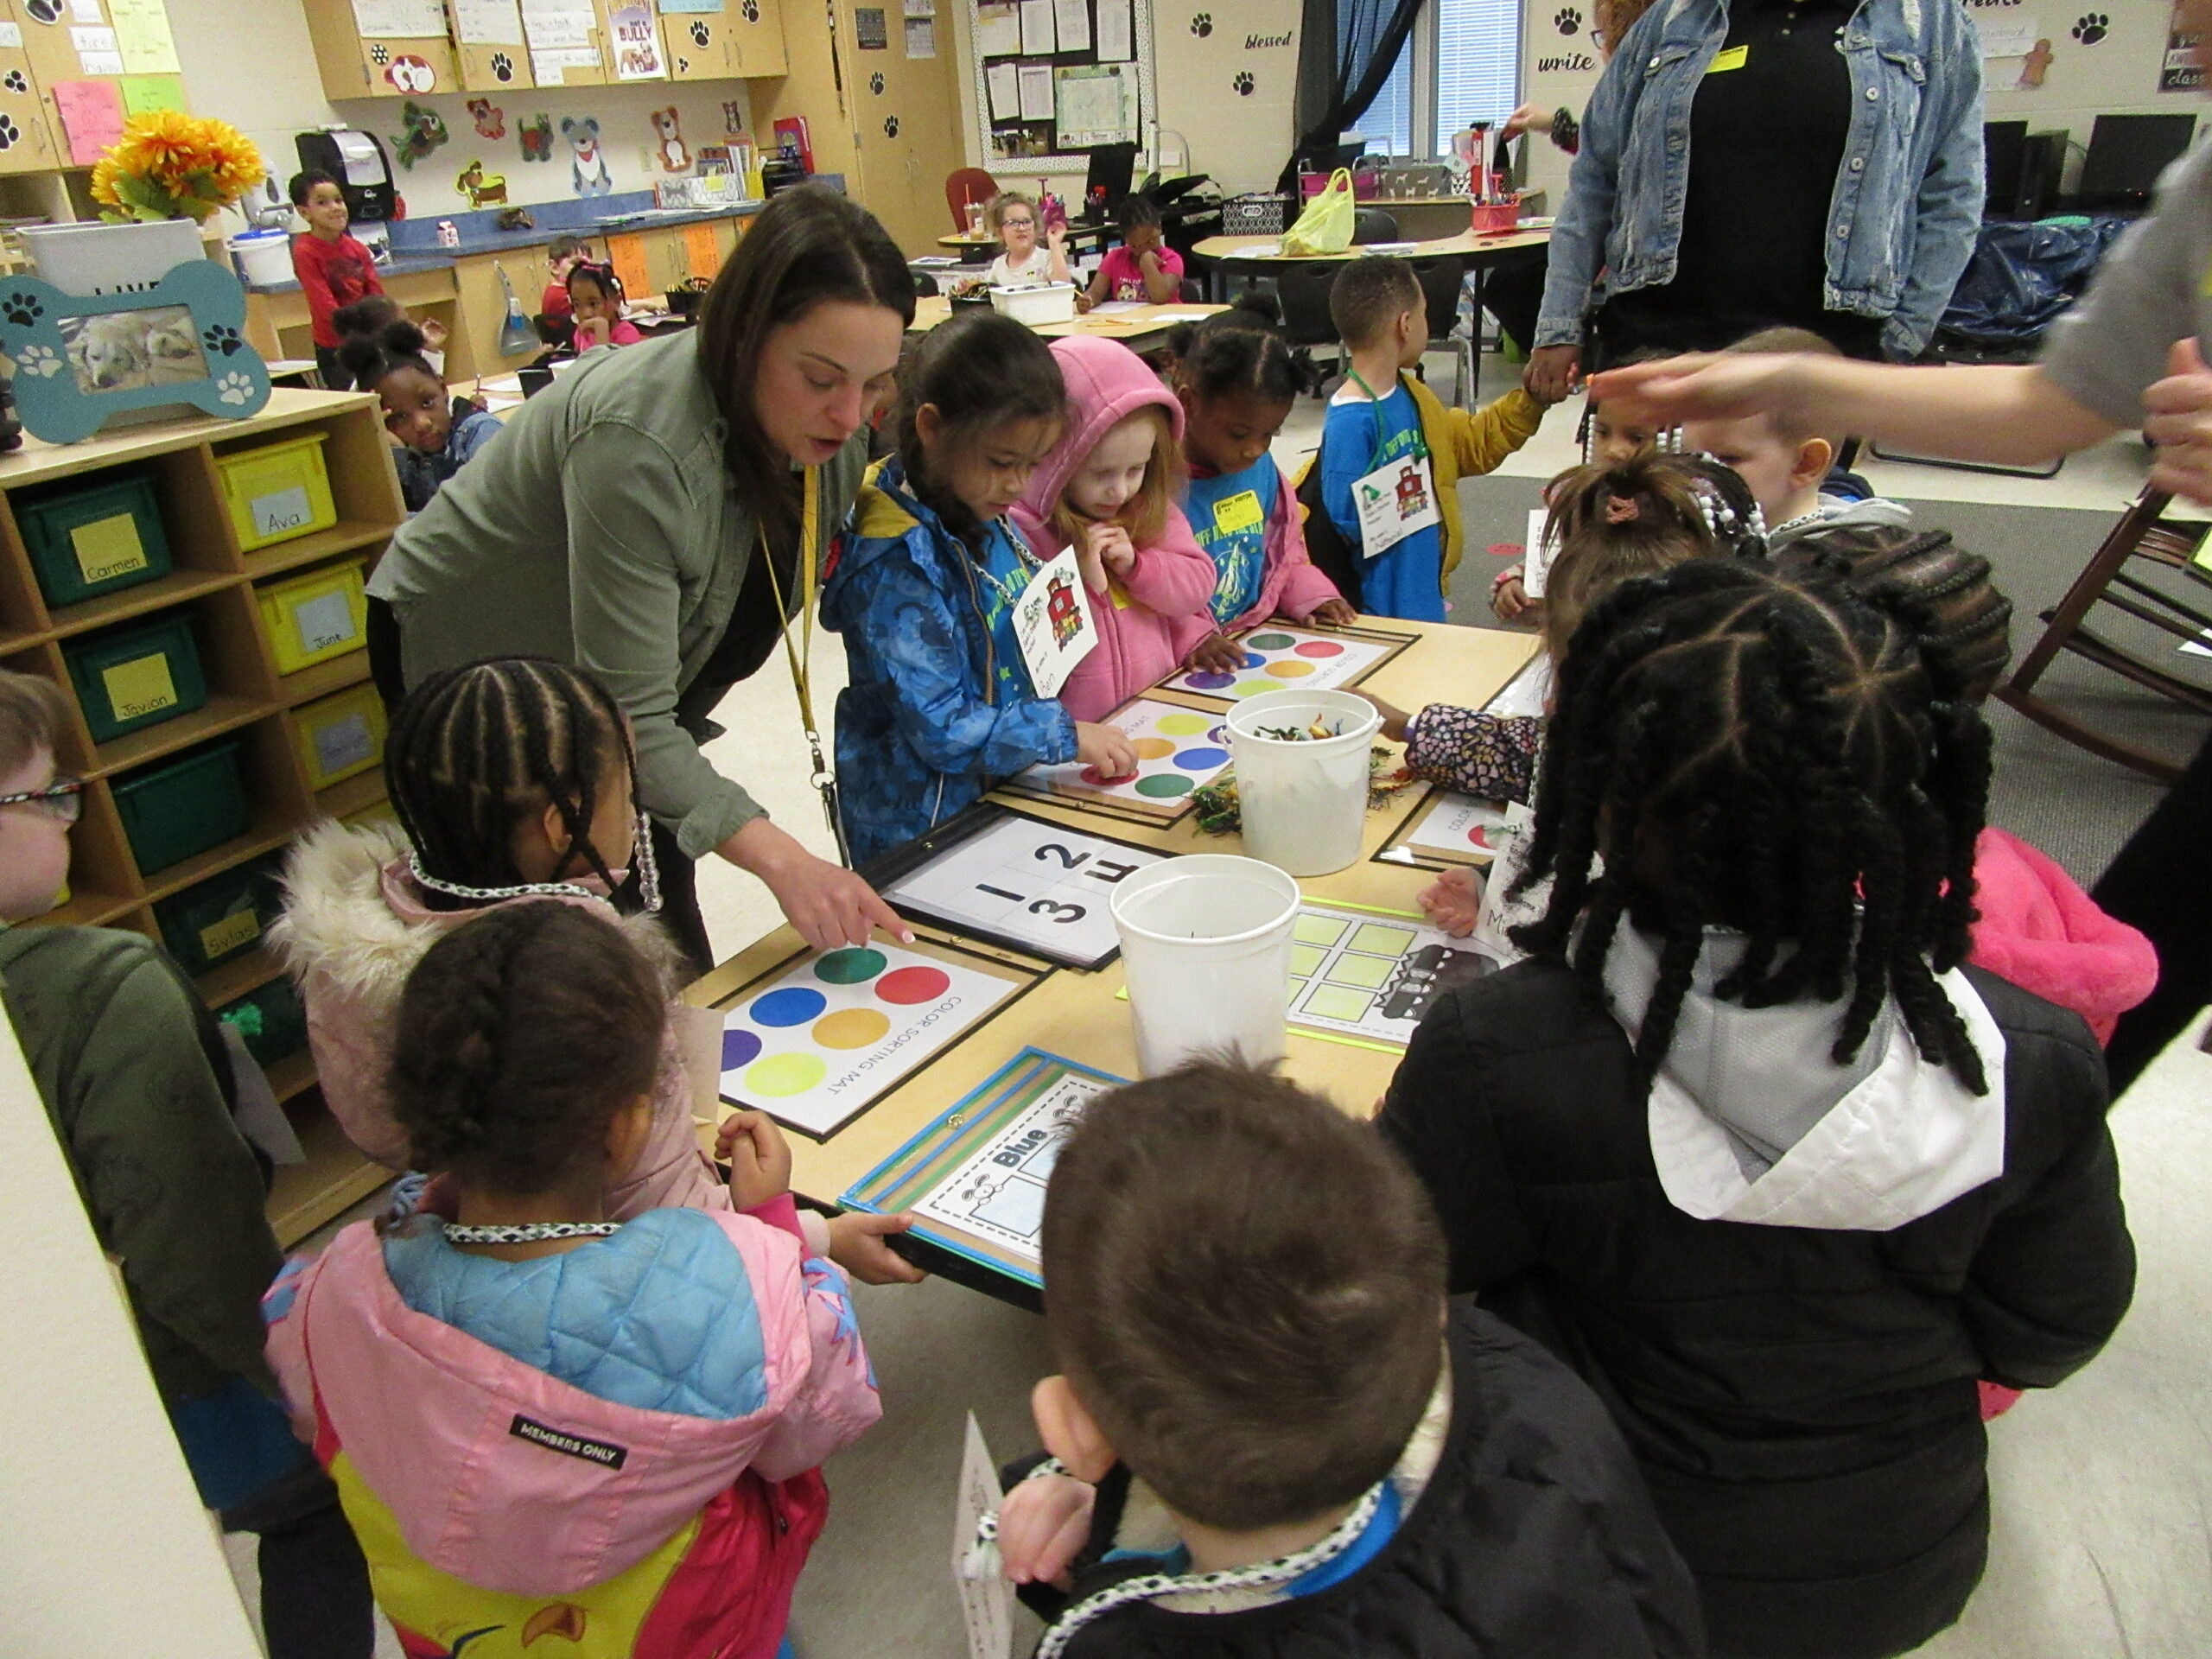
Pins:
x,y
1420,438
800,658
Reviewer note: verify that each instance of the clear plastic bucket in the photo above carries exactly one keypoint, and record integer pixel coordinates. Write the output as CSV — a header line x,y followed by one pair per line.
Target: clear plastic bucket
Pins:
x,y
1304,800
1205,951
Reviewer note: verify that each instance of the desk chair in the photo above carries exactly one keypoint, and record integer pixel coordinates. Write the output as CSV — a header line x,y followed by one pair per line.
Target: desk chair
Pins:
x,y
963,186
1440,281
1303,293
1372,225
2142,533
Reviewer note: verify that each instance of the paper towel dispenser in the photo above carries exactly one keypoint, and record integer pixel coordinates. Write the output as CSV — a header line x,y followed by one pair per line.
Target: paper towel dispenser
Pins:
x,y
357,161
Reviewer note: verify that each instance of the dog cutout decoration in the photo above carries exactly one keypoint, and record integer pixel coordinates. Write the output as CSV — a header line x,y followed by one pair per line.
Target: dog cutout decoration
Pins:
x,y
668,141
483,189
426,131
587,173
491,120
536,135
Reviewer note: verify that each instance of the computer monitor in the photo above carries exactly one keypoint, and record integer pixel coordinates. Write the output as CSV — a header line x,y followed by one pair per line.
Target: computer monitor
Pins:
x,y
2003,147
1107,179
2126,155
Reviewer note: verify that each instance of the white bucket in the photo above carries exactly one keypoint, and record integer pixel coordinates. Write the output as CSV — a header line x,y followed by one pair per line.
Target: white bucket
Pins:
x,y
1304,803
263,258
88,259
1205,949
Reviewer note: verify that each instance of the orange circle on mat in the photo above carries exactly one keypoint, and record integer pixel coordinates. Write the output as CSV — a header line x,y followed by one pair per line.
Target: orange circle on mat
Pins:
x,y
851,1028
1153,748
1291,668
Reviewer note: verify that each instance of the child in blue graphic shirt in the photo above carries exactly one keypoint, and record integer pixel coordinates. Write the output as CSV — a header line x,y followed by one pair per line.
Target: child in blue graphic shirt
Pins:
x,y
1236,380
939,702
1409,543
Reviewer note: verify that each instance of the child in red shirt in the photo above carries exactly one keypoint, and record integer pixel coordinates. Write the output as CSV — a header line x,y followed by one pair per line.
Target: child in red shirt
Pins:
x,y
333,269
563,255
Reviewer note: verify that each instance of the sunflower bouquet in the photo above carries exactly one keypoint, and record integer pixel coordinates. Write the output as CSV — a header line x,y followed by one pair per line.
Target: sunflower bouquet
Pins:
x,y
170,165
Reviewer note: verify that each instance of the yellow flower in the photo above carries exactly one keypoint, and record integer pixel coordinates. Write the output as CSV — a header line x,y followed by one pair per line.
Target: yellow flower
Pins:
x,y
194,163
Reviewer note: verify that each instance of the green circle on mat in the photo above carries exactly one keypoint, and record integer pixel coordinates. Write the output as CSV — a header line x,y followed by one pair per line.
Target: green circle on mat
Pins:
x,y
1254,686
785,1074
853,965
1163,787
1270,641
1182,725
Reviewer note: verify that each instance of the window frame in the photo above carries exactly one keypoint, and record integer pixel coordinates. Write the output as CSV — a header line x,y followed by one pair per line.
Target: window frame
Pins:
x,y
1424,143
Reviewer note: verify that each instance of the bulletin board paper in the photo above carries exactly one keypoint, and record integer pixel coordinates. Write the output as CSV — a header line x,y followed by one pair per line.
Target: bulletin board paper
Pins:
x,y
488,22
818,1041
1116,37
1071,23
1280,658
1093,103
921,37
1038,35
636,43
1005,91
399,20
92,116
1036,83
1007,879
1177,748
1369,976
144,93
998,30
626,253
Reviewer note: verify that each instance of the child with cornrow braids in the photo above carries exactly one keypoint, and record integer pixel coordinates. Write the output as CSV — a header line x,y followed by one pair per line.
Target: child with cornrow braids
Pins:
x,y
544,1420
1743,1142
514,781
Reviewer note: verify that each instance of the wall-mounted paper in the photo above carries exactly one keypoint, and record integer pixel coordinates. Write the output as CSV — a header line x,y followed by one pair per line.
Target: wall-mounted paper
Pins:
x,y
637,44
141,94
399,20
142,28
93,40
563,26
92,116
87,11
1090,105
921,37
12,35
921,8
2007,37
1037,35
488,22
1116,35
99,63
1071,19
998,30
692,5
1036,80
1006,92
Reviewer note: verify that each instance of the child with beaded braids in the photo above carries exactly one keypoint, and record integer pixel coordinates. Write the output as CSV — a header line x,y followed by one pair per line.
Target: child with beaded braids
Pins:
x,y
543,1421
1743,1142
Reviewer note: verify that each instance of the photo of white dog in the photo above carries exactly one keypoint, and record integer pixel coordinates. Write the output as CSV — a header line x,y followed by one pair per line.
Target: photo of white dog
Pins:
x,y
126,351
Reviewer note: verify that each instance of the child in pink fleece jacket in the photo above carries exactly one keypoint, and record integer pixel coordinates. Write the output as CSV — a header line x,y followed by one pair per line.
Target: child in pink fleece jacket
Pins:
x,y
544,1422
1108,488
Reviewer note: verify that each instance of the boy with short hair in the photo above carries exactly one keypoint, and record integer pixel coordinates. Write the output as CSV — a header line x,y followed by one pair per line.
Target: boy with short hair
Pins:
x,y
334,269
1277,1435
1392,455
1786,461
562,255
136,1082
1144,268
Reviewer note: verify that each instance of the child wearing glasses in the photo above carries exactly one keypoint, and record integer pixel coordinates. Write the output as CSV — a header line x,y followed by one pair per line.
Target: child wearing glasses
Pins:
x,y
140,1088
1014,220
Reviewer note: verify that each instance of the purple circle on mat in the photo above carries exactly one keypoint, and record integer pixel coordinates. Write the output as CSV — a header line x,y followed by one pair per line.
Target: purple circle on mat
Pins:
x,y
1206,679
738,1049
1202,759
794,1005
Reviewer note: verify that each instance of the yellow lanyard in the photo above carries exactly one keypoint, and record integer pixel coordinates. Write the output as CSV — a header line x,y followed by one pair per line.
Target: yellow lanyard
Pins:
x,y
801,656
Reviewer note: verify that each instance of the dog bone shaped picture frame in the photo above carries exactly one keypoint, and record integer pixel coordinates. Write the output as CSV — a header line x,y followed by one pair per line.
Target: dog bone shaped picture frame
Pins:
x,y
81,358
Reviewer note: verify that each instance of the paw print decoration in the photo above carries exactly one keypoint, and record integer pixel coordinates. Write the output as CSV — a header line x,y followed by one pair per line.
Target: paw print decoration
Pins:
x,y
1202,25
22,309
15,81
1568,21
2092,28
891,126
700,35
234,388
379,55
875,83
44,11
752,10
1244,84
222,338
503,66
40,360
10,134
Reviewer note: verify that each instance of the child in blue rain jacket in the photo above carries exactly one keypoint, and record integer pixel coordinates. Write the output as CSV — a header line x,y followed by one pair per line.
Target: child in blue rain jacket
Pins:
x,y
939,704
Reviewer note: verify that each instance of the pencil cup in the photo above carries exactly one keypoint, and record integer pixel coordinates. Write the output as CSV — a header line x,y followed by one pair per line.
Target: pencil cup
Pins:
x,y
1303,799
1205,949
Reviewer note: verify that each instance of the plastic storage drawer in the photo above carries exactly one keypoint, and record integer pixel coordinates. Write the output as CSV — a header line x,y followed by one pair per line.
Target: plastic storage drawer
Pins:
x,y
311,618
180,808
222,916
340,735
271,1020
137,677
92,539
277,492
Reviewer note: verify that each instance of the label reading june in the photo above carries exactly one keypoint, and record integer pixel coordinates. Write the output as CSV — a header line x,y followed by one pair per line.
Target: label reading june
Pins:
x,y
140,687
108,548
325,620
239,928
280,511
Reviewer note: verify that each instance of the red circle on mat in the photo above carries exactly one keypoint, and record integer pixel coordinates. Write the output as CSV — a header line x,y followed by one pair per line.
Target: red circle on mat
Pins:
x,y
1098,779
904,986
1320,648
1476,836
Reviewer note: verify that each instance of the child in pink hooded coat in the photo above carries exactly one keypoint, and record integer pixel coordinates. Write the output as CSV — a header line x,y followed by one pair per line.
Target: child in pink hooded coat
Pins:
x,y
542,1422
1110,488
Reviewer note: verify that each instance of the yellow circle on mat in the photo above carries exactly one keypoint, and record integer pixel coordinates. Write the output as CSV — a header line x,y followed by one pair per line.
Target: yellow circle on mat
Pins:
x,y
1294,668
1153,749
851,1027
786,1074
1183,725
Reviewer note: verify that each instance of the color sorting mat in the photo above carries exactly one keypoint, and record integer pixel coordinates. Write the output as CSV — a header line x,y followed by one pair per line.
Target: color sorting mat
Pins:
x,y
1283,658
823,1038
1459,828
1370,975
1177,750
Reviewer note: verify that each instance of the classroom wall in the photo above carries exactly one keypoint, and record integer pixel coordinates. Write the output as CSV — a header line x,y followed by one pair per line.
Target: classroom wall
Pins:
x,y
252,63
2102,59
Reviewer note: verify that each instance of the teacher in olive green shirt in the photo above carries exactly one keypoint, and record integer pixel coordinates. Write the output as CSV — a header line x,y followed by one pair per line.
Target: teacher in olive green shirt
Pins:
x,y
618,524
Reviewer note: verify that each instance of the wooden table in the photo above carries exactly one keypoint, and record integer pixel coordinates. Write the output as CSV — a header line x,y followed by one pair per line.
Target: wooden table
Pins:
x,y
1139,327
1079,1016
1257,252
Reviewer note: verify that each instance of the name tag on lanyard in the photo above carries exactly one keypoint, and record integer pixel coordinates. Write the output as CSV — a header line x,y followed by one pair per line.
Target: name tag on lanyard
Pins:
x,y
1394,500
1054,625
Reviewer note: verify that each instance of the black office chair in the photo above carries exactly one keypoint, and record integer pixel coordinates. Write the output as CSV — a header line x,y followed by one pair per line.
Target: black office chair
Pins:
x,y
1193,292
1440,281
1302,291
1370,225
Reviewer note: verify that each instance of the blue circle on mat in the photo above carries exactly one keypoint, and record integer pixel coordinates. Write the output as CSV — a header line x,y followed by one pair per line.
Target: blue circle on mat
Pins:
x,y
1206,679
1253,660
794,1005
738,1048
1202,759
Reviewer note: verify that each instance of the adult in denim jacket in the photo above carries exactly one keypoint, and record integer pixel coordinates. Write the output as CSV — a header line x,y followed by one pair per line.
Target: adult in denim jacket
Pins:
x,y
1908,198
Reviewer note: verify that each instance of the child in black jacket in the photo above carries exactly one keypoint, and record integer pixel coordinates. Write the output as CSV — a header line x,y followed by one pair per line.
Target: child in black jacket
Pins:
x,y
1762,1161
1273,1435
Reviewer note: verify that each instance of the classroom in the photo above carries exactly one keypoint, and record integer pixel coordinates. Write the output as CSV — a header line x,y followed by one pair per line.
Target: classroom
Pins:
x,y
812,819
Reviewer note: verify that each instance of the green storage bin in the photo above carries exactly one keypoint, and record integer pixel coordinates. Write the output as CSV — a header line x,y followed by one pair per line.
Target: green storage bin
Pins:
x,y
223,917
180,808
84,540
135,677
271,1020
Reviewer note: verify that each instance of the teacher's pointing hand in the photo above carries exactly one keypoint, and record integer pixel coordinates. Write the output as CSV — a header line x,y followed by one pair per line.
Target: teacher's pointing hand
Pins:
x,y
827,904
2179,411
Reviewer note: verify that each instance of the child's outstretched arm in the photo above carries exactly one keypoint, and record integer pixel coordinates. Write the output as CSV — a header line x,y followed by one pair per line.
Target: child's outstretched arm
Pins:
x,y
836,1401
1492,757
1482,438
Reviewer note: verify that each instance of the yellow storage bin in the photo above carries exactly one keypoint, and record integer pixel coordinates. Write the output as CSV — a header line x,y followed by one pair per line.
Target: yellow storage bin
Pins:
x,y
311,618
279,491
340,735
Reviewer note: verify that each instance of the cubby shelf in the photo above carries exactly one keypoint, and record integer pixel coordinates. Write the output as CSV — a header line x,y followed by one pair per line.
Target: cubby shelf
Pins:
x,y
214,584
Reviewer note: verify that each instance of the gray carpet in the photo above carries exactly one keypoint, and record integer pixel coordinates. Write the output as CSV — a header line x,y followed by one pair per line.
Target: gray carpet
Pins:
x,y
2072,804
